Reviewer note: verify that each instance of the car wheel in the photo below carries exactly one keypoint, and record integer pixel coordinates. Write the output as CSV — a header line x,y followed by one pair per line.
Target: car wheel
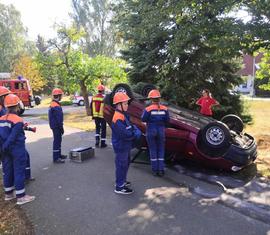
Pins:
x,y
37,100
122,87
21,108
146,89
21,111
81,103
214,139
234,122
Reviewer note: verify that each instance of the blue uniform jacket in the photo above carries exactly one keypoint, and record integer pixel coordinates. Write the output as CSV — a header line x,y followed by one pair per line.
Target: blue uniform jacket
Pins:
x,y
155,115
12,136
3,111
55,115
123,132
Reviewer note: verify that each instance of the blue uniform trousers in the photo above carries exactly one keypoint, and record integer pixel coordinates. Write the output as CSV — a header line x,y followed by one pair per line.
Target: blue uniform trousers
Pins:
x,y
57,140
100,127
156,143
28,167
122,161
14,165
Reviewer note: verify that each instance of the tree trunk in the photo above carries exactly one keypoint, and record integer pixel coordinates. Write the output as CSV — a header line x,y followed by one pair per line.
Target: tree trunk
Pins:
x,y
85,97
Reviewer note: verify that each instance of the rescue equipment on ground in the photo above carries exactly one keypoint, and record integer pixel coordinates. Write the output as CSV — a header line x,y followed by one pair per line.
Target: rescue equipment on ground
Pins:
x,y
81,154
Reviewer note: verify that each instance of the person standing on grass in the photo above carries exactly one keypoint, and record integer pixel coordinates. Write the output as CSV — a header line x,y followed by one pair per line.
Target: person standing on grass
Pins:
x,y
56,122
123,136
156,116
96,106
12,139
206,102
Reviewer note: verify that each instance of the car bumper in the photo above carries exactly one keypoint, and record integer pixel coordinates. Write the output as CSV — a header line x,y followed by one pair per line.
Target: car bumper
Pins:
x,y
242,156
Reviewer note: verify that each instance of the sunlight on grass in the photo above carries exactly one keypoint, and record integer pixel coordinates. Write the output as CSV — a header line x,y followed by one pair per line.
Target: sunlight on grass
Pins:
x,y
77,119
45,102
260,130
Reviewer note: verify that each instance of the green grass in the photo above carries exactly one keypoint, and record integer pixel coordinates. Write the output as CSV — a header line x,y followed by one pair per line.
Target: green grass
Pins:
x,y
260,130
45,102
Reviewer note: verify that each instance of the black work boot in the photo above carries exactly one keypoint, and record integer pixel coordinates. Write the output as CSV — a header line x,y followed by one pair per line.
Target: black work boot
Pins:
x,y
97,141
103,144
63,156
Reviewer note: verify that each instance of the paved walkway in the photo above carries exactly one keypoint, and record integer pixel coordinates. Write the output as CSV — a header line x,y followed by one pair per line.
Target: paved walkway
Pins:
x,y
78,198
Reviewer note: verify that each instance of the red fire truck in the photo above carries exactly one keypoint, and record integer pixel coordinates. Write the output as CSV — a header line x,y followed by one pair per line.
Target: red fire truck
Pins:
x,y
21,88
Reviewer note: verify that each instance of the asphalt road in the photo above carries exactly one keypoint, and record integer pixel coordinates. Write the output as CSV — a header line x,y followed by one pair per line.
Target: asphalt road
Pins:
x,y
78,198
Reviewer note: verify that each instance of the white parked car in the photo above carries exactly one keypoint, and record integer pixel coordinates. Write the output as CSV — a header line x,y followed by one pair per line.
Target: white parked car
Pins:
x,y
78,99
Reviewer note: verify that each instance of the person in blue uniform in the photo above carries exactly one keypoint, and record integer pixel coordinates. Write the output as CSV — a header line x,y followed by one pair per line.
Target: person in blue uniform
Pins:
x,y
123,136
156,116
56,120
97,105
3,93
12,140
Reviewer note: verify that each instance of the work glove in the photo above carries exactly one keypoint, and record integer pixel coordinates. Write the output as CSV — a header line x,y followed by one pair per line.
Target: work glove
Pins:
x,y
62,130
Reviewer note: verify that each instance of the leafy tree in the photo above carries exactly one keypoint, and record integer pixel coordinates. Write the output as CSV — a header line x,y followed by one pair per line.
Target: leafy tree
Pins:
x,y
185,46
46,61
107,71
258,27
12,36
27,67
263,74
94,17
76,69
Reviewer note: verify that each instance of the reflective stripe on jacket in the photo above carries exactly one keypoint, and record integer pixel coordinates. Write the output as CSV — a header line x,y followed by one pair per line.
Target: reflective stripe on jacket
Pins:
x,y
155,115
12,135
97,105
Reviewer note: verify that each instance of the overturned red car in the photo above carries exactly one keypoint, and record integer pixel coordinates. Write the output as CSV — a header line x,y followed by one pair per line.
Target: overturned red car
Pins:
x,y
190,135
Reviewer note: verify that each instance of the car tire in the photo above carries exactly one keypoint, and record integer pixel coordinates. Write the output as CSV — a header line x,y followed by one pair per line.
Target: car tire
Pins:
x,y
146,89
214,139
233,122
81,103
37,100
21,108
122,87
21,111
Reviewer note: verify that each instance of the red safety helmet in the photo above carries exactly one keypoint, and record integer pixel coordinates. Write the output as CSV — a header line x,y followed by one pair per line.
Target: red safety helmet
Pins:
x,y
120,97
154,94
11,100
101,87
4,91
57,91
